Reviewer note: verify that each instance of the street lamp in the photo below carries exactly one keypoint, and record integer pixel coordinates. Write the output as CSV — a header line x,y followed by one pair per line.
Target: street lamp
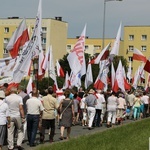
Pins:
x,y
104,20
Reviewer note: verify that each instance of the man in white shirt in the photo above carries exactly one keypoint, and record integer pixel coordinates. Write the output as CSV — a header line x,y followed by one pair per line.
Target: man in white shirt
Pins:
x,y
34,111
145,101
98,107
5,117
15,105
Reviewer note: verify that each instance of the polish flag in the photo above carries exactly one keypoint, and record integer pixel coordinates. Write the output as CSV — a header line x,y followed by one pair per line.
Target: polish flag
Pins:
x,y
60,71
98,84
102,56
18,39
137,55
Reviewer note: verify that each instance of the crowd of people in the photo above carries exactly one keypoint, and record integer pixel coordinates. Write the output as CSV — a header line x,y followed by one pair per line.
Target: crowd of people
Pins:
x,y
25,114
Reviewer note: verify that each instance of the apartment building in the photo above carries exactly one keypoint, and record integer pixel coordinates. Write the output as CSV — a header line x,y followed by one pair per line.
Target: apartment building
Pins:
x,y
54,32
136,37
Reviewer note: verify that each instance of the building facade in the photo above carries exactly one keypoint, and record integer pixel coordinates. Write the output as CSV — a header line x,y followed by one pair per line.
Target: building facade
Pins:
x,y
54,32
136,37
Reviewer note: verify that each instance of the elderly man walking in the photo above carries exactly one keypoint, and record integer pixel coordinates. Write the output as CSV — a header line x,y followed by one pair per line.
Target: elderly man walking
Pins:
x,y
90,103
15,105
48,118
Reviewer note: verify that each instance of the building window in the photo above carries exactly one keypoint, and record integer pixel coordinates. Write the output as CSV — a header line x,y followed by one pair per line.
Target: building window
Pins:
x,y
96,47
5,51
144,37
44,29
43,40
143,48
68,47
130,58
131,37
131,48
6,40
86,47
6,30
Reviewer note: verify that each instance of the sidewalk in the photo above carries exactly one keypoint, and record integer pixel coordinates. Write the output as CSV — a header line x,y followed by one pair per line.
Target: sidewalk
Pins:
x,y
76,131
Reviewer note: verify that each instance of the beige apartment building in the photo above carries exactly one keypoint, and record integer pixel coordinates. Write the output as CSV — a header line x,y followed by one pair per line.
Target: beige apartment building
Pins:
x,y
54,32
136,37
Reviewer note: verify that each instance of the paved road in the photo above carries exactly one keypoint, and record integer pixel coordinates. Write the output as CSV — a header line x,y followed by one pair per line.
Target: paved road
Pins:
x,y
77,130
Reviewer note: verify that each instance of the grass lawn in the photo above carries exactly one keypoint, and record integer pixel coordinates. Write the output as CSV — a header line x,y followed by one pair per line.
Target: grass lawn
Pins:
x,y
133,136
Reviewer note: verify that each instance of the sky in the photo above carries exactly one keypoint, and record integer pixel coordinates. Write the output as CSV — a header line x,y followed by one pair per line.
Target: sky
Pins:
x,y
77,13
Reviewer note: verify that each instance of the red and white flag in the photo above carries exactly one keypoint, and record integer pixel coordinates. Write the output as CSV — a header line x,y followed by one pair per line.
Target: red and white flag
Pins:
x,y
137,55
30,51
30,86
102,56
76,56
18,39
60,71
98,84
89,76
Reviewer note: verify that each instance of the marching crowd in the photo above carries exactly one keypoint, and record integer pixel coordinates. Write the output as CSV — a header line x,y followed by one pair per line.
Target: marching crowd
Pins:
x,y
23,113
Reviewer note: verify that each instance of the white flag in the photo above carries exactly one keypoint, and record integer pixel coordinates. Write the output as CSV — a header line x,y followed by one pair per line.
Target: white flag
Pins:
x,y
30,51
113,75
115,48
67,81
76,56
129,73
119,76
29,86
136,78
89,76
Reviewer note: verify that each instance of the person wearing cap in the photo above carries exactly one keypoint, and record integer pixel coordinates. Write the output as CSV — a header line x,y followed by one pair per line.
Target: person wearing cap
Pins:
x,y
5,118
15,105
90,103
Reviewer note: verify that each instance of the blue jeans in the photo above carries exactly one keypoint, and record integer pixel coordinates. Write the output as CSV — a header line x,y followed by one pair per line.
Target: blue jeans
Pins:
x,y
136,112
32,127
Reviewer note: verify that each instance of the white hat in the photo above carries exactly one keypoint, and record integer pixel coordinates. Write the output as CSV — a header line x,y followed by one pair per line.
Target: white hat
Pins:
x,y
91,91
2,94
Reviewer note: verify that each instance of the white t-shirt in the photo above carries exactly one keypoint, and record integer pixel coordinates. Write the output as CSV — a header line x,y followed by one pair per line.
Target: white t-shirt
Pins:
x,y
34,106
82,103
145,99
100,101
14,101
60,98
4,112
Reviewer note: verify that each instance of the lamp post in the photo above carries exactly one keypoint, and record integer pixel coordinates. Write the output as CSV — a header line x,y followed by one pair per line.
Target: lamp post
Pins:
x,y
103,42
